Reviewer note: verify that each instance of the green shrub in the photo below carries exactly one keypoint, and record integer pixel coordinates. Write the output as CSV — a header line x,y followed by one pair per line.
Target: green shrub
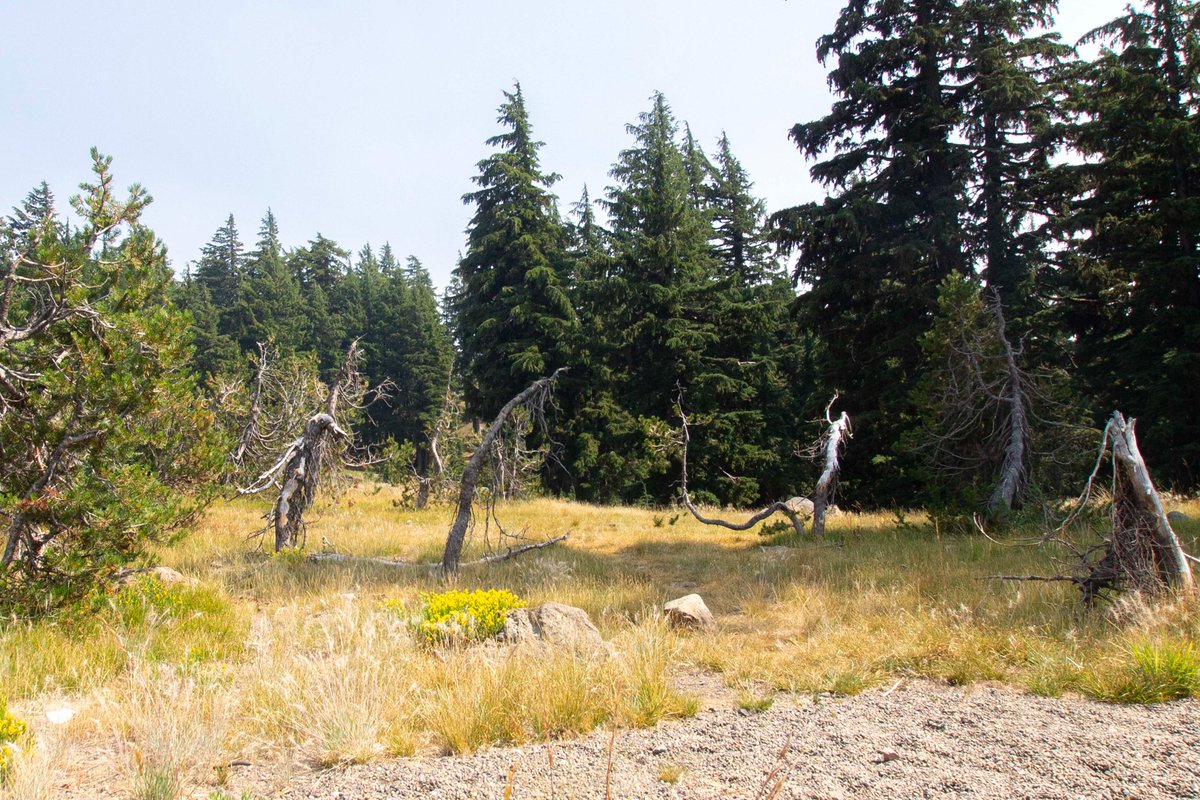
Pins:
x,y
459,616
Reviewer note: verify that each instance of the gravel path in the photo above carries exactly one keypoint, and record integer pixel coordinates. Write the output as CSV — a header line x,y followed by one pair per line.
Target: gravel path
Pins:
x,y
922,740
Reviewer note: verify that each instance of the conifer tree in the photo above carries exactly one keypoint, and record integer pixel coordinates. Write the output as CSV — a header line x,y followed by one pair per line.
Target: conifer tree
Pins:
x,y
274,292
1130,274
513,311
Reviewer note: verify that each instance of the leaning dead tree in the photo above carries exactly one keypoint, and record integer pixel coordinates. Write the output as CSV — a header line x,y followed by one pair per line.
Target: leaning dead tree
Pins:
x,y
1141,551
307,459
829,445
533,399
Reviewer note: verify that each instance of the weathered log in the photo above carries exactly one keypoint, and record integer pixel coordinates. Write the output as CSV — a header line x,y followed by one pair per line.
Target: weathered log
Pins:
x,y
470,478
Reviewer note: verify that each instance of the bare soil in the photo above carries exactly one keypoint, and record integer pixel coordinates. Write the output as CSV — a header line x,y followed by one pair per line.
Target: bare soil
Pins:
x,y
919,740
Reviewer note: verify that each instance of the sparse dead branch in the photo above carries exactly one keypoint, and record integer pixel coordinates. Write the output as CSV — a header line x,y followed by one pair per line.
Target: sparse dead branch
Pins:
x,y
512,552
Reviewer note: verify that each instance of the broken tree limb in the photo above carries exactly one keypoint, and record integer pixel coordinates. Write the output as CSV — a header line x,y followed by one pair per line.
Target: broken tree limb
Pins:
x,y
535,393
775,508
512,552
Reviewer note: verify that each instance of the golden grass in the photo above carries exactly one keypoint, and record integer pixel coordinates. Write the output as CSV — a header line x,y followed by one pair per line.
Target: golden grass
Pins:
x,y
280,657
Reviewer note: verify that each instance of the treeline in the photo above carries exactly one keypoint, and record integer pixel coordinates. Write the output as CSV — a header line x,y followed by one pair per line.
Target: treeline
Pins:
x,y
977,170
310,302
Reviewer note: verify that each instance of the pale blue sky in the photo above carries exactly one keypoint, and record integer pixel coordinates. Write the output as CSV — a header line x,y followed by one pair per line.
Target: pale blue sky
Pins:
x,y
364,119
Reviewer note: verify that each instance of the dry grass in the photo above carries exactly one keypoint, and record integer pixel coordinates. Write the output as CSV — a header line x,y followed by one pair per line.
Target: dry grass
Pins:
x,y
278,657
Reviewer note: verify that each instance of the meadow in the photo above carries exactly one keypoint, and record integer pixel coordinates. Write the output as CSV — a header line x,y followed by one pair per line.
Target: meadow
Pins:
x,y
280,660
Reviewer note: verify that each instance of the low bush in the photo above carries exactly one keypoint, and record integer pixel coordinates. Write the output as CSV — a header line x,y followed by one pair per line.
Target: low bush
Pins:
x,y
459,616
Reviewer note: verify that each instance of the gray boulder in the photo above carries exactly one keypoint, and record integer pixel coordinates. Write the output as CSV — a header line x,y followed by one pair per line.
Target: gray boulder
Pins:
x,y
1174,517
689,612
555,624
165,575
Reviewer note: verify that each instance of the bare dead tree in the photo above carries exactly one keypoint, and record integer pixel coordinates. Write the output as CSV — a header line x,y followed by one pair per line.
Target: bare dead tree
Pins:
x,y
1013,470
534,397
435,474
1141,551
982,405
829,445
305,462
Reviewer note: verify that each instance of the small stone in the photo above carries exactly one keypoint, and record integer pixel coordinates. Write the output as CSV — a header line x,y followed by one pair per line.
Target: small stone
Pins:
x,y
166,575
688,611
1174,517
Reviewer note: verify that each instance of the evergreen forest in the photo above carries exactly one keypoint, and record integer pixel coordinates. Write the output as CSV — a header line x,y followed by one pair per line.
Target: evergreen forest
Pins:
x,y
999,209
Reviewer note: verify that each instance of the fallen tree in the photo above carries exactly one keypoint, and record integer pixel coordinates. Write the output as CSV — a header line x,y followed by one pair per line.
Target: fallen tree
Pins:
x,y
829,445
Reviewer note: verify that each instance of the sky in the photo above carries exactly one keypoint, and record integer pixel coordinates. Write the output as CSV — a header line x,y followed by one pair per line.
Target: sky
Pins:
x,y
364,119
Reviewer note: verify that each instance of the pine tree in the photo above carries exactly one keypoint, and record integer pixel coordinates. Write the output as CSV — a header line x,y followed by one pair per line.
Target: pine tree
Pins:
x,y
105,445
513,311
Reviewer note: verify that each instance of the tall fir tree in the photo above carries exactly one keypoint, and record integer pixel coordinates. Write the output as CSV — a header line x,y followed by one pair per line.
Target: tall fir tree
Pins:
x,y
513,313
1131,273
871,255
274,292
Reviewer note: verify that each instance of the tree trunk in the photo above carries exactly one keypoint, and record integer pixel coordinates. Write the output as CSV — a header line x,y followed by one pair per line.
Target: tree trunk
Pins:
x,y
1012,471
839,430
470,477
1146,516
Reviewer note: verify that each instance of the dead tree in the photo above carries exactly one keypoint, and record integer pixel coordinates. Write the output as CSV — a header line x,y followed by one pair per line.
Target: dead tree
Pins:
x,y
829,445
443,427
777,507
1011,479
533,397
1142,552
300,470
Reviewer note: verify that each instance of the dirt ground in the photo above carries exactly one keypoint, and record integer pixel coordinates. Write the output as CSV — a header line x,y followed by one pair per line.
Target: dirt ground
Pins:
x,y
918,740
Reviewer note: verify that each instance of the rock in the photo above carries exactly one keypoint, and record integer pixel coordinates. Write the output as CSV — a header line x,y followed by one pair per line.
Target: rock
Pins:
x,y
552,623
166,575
800,506
1174,517
688,612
